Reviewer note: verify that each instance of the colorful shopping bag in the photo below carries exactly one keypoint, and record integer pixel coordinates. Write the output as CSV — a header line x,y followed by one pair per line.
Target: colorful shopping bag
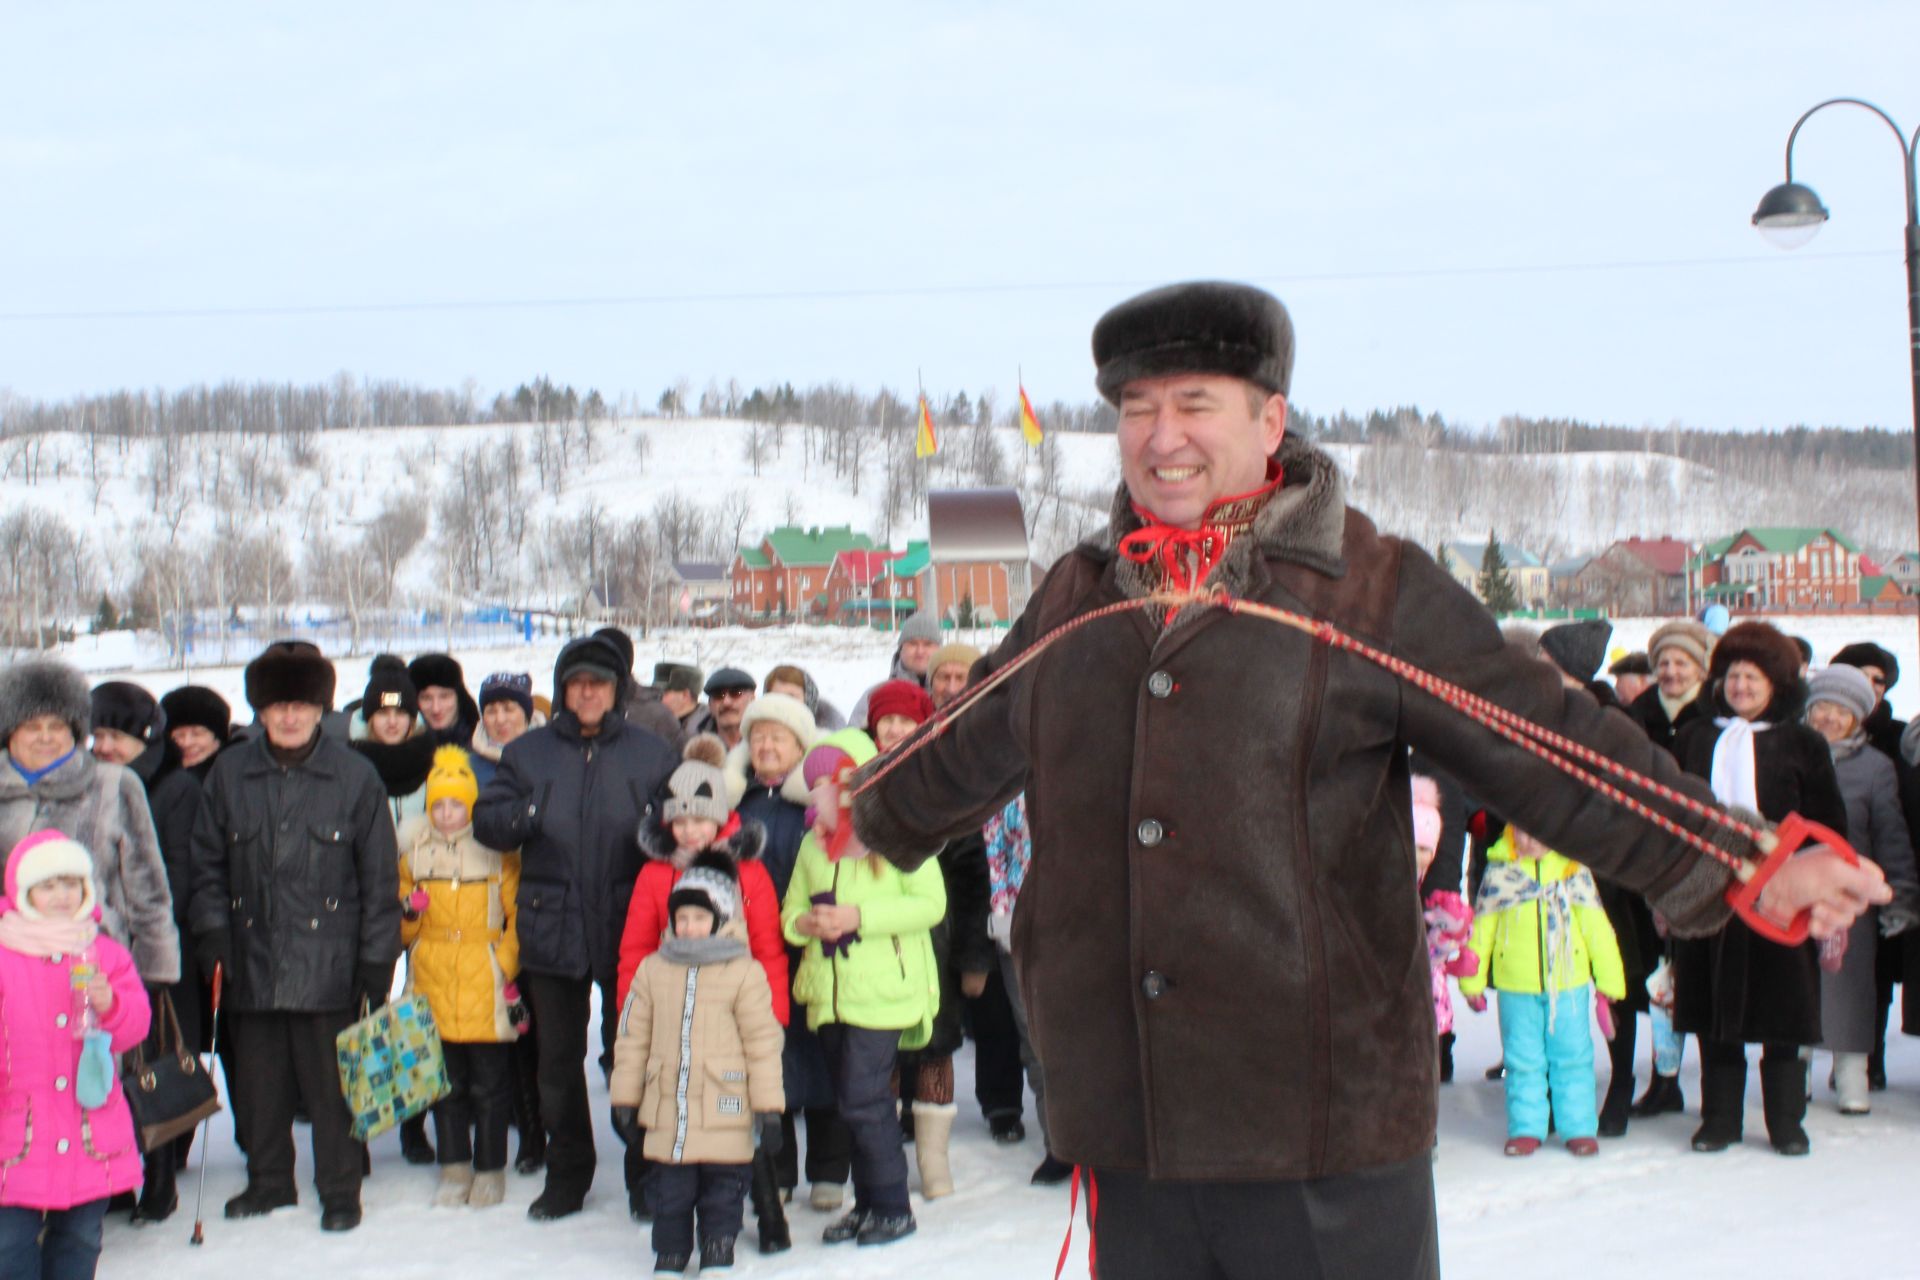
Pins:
x,y
391,1067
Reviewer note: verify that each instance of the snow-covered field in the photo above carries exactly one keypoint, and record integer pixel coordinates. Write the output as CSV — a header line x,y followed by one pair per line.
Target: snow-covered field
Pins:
x,y
1645,1205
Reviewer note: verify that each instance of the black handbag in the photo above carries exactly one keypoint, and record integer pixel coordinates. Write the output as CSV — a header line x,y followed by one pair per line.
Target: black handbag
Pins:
x,y
170,1092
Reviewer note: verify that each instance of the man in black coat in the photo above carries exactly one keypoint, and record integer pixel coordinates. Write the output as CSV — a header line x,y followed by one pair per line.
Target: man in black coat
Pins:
x,y
130,729
571,797
296,894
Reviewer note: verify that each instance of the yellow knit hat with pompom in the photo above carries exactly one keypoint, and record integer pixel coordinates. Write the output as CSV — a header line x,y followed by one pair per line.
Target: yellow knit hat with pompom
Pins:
x,y
452,779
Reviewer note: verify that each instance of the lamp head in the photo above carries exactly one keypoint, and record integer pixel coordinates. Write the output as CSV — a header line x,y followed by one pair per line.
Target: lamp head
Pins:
x,y
1789,215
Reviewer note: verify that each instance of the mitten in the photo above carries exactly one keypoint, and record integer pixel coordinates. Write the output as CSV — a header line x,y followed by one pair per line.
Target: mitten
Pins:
x,y
213,949
372,983
1464,965
1477,1003
415,904
1603,1010
626,1123
771,1138
93,1079
517,1012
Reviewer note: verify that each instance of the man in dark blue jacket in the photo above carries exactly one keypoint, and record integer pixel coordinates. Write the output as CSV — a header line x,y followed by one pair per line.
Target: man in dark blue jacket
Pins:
x,y
571,797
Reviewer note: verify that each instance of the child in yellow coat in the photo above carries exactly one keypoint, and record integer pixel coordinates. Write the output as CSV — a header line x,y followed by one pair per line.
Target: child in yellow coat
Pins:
x,y
457,906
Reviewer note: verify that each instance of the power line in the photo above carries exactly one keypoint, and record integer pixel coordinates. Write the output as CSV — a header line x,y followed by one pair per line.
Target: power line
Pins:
x,y
589,302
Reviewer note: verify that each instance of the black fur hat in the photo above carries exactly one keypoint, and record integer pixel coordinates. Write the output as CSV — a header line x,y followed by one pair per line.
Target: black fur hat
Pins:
x,y
1771,650
44,687
193,704
437,670
117,704
1208,326
290,671
1864,653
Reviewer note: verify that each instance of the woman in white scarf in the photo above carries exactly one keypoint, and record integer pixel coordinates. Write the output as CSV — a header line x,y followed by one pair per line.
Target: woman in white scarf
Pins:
x,y
1735,988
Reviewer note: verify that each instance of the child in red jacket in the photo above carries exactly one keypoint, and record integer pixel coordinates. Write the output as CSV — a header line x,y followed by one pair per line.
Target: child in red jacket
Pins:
x,y
696,818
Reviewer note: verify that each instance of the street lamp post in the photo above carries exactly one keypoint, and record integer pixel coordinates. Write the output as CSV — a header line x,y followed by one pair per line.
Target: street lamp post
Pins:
x,y
1791,213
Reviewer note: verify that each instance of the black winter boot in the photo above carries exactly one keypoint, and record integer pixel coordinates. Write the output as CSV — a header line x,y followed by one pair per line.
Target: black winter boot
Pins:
x,y
767,1210
1619,1100
1662,1095
1783,1097
1723,1100
1446,1057
414,1146
159,1196
525,1097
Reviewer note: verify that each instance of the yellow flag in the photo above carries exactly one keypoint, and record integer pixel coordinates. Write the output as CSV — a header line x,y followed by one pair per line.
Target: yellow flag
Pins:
x,y
925,445
1029,420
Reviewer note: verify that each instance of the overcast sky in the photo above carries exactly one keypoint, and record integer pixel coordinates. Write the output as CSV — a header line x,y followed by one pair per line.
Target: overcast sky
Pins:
x,y
1481,208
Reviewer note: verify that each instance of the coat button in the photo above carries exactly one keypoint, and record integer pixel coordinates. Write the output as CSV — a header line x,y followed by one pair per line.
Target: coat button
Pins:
x,y
1155,984
1160,684
61,1146
314,923
1150,833
60,1020
60,1084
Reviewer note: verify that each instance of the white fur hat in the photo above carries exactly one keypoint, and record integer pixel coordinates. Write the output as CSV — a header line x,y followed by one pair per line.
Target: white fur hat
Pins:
x,y
784,710
42,856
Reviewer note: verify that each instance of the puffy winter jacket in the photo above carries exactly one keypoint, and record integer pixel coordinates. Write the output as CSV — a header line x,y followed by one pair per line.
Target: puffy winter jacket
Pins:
x,y
1512,943
463,950
54,1154
104,807
648,919
572,805
709,995
887,978
298,863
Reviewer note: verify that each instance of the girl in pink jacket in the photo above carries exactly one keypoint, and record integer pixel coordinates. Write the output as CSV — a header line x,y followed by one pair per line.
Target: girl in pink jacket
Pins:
x,y
69,1001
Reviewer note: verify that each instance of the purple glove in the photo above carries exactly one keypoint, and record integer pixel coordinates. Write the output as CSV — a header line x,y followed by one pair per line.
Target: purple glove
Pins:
x,y
844,944
1464,965
1477,1003
1603,1010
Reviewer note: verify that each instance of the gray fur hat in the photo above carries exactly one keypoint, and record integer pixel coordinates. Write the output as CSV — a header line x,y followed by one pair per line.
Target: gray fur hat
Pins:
x,y
44,687
1207,326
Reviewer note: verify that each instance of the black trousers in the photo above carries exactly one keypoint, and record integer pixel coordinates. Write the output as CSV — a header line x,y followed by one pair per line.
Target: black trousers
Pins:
x,y
1376,1224
862,1063
829,1148
718,1191
561,1009
999,1079
470,1123
294,1061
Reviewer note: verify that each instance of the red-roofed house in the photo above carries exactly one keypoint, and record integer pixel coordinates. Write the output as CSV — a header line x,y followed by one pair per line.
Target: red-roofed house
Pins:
x,y
851,579
1644,577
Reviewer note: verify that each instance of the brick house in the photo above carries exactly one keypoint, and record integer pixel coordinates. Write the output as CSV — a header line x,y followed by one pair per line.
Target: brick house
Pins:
x,y
1635,577
1779,568
850,587
785,575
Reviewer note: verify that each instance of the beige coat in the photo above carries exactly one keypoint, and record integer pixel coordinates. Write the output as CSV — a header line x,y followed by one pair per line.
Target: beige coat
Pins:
x,y
711,994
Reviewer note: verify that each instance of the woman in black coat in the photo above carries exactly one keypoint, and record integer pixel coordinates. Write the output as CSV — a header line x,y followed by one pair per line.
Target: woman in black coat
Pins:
x,y
1735,988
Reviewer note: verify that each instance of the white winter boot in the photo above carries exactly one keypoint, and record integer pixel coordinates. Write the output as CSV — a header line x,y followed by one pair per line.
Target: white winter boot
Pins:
x,y
1850,1083
932,1128
456,1181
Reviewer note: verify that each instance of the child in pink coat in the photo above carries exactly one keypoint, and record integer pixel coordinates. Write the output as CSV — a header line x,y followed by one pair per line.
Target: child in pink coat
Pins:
x,y
1449,919
69,1001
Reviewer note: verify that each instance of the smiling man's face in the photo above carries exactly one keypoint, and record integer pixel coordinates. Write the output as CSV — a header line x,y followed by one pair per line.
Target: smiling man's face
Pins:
x,y
1190,440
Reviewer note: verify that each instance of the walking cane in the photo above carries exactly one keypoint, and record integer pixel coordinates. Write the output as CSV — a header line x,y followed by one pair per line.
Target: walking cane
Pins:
x,y
206,1126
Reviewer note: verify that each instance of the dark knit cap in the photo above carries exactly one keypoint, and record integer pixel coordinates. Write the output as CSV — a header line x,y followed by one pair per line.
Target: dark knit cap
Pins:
x,y
129,709
1865,653
194,704
1577,648
1207,326
389,689
290,671
508,686
710,881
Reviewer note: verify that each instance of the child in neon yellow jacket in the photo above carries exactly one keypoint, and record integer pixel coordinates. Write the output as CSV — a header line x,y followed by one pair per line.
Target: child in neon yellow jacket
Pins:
x,y
1546,941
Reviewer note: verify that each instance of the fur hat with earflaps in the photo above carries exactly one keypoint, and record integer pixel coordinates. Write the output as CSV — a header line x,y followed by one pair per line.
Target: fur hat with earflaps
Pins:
x,y
42,856
712,882
44,687
290,671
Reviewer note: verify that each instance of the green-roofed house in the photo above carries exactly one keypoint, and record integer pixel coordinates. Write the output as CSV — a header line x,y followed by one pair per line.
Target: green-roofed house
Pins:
x,y
1791,568
785,575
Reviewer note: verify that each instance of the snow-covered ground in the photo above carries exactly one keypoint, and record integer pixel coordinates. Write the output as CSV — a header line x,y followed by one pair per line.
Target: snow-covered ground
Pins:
x,y
1646,1204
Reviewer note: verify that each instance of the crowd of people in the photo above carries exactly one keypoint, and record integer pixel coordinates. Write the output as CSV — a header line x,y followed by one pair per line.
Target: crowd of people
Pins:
x,y
1772,735
771,1003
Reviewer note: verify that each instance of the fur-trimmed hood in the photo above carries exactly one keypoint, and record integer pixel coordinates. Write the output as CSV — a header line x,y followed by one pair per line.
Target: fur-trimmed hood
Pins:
x,y
739,774
45,687
1305,522
746,843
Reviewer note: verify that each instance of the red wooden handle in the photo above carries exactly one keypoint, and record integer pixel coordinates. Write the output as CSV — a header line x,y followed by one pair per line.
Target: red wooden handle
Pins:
x,y
1790,835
